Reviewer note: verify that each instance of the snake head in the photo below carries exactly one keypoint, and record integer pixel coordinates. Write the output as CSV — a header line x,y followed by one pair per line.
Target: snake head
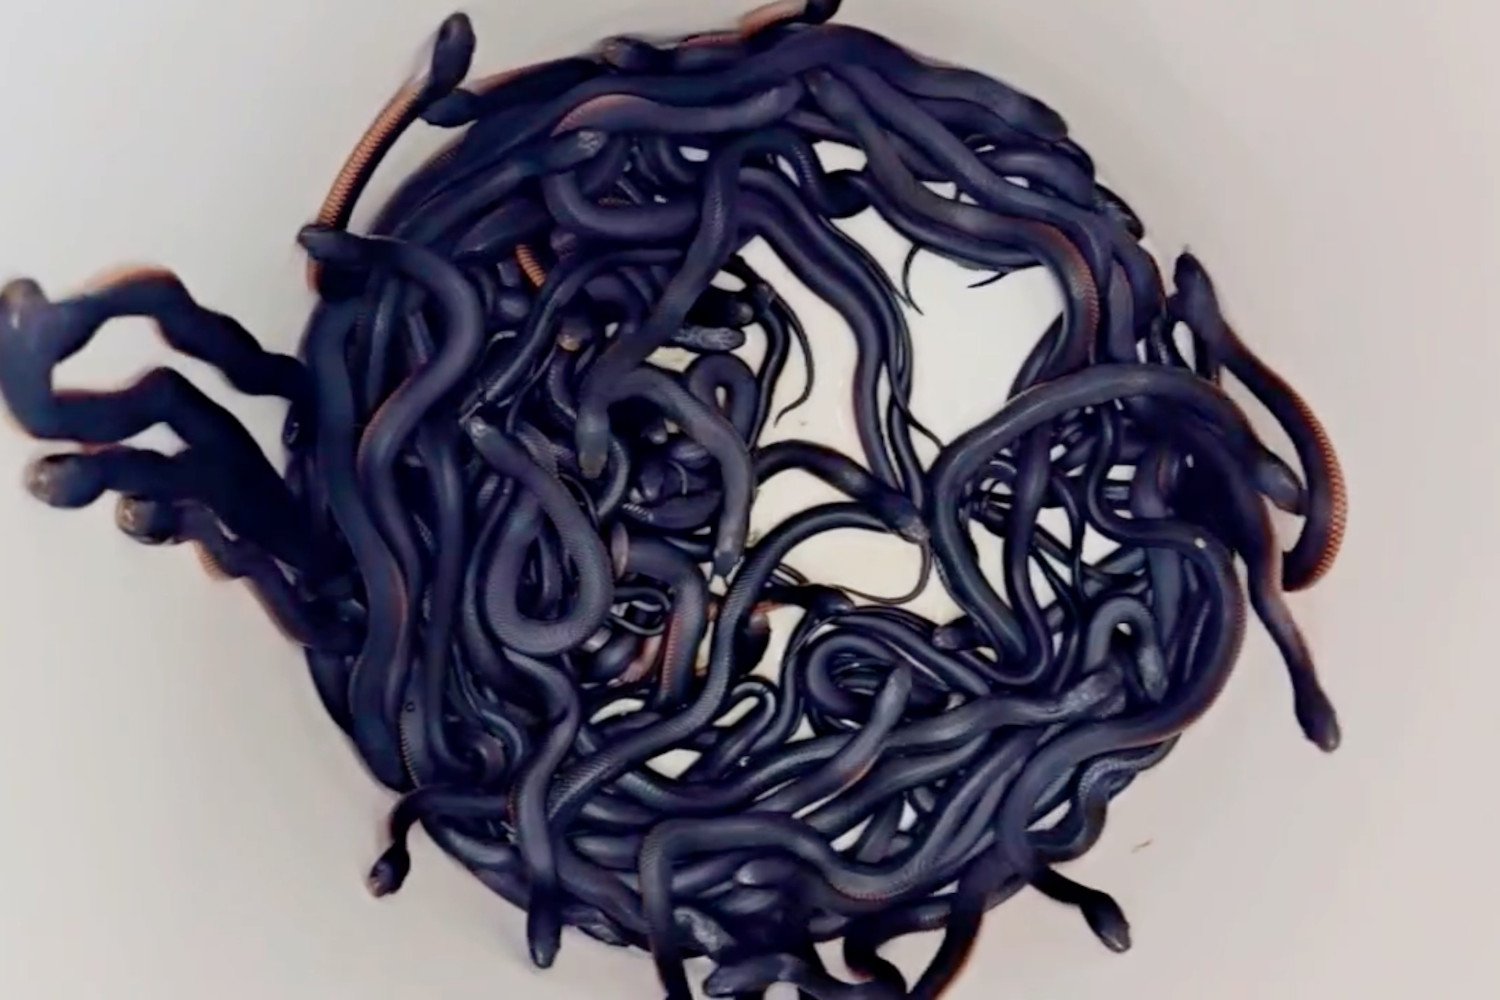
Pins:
x,y
709,338
597,641
565,242
629,54
509,310
846,193
771,871
619,549
477,429
906,521
772,15
592,434
1096,695
1195,302
38,333
706,934
452,54
389,871
574,333
738,980
596,925
760,973
1117,208
68,481
722,307
1279,483
150,522
453,110
820,11
335,247
295,428
752,640
955,636
19,300
1317,717
740,312
1107,920
725,559
543,934
490,758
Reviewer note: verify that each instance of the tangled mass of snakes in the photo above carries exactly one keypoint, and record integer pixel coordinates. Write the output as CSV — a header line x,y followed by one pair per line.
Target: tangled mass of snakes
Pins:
x,y
512,532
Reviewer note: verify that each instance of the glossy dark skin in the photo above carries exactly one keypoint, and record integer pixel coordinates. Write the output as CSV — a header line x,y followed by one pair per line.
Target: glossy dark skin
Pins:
x,y
516,542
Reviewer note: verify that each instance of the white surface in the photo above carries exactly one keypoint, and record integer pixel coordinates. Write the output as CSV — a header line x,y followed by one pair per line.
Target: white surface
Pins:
x,y
179,820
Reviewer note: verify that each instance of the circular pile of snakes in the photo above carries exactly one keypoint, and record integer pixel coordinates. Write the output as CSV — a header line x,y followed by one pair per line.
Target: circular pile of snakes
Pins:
x,y
513,532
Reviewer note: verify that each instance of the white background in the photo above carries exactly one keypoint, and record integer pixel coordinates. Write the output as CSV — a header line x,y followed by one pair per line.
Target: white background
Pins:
x,y
178,820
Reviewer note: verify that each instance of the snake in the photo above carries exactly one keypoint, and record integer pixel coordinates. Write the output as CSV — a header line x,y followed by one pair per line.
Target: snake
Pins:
x,y
535,405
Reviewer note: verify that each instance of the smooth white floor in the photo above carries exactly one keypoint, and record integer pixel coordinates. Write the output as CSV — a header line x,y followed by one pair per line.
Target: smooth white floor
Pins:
x,y
177,820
